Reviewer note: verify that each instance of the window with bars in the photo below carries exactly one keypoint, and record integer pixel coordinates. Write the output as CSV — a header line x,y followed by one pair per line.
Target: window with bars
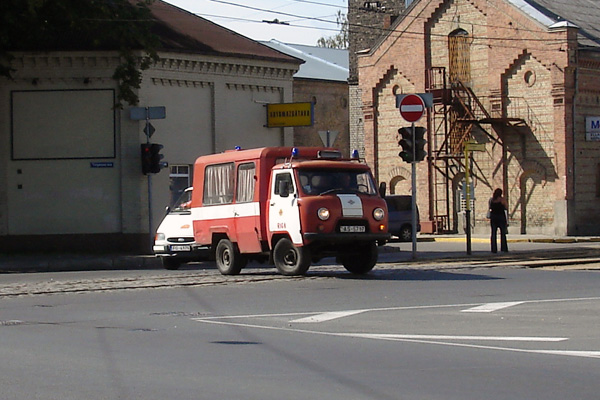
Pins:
x,y
459,51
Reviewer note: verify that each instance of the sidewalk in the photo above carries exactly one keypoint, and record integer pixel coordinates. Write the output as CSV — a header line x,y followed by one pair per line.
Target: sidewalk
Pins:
x,y
51,262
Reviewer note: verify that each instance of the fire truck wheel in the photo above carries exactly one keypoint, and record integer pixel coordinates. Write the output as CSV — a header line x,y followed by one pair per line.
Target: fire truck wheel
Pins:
x,y
289,259
362,262
229,260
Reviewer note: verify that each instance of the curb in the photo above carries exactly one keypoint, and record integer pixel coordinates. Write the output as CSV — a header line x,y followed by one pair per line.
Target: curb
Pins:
x,y
72,263
511,240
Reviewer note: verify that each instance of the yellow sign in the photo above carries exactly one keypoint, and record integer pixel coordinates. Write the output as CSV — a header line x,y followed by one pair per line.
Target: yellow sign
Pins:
x,y
290,114
474,146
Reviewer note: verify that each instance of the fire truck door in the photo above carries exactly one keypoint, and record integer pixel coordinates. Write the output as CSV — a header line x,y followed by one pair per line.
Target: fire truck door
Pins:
x,y
284,215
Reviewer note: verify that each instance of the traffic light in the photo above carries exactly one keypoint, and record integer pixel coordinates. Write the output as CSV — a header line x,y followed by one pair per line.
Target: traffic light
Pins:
x,y
419,143
155,157
146,159
407,144
151,158
413,148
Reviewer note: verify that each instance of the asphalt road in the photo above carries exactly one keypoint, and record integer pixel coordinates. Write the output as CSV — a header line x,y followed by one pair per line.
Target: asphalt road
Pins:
x,y
418,332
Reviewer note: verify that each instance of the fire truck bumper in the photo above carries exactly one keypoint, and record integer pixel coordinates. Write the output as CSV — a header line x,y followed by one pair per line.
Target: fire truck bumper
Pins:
x,y
346,237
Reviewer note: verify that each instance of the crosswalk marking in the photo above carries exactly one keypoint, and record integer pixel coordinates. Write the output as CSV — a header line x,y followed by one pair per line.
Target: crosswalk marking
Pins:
x,y
328,316
491,307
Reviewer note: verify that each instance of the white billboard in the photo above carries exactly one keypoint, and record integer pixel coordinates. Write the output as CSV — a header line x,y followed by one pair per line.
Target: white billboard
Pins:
x,y
592,129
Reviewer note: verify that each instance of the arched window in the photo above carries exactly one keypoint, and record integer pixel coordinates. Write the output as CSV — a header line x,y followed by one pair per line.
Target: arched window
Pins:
x,y
460,56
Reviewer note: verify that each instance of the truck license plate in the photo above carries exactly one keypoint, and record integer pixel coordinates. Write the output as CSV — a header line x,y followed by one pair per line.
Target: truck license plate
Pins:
x,y
352,228
181,248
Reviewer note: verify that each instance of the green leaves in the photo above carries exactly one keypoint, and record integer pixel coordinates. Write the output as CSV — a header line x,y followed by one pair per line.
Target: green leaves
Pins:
x,y
82,25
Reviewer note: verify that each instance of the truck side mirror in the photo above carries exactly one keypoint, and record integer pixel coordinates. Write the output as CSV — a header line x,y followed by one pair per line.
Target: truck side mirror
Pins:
x,y
382,188
284,188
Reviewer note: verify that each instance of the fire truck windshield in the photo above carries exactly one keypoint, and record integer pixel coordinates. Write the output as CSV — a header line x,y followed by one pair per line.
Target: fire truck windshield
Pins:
x,y
317,182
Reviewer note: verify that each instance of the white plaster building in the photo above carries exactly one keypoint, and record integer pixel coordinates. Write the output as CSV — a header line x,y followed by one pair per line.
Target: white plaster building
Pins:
x,y
70,169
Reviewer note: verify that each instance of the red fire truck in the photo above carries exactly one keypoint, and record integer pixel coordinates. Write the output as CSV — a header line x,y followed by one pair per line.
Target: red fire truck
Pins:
x,y
289,206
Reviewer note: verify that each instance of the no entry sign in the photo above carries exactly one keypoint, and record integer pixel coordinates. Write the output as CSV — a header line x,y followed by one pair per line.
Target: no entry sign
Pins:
x,y
412,107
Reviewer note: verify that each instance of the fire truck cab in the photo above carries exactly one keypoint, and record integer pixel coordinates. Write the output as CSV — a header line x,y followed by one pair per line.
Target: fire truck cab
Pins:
x,y
289,206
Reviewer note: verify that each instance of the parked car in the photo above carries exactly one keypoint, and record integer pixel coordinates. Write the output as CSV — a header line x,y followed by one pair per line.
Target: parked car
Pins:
x,y
174,240
400,216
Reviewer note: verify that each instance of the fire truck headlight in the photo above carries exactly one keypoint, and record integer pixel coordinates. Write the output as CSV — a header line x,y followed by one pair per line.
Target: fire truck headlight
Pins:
x,y
378,214
323,214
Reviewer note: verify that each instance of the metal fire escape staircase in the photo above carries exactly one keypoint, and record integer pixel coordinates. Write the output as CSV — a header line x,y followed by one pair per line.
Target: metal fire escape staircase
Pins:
x,y
456,112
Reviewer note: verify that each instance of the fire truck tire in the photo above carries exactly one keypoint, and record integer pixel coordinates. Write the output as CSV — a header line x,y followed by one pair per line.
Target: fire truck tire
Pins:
x,y
229,260
289,259
362,262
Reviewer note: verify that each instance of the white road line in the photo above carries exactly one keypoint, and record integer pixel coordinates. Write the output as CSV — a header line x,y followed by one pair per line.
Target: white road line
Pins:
x,y
328,316
587,354
491,307
447,337
399,308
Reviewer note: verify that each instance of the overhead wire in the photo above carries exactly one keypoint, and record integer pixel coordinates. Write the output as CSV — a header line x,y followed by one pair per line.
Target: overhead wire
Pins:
x,y
381,31
355,28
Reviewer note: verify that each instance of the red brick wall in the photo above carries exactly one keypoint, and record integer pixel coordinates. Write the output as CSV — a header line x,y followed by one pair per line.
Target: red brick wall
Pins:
x,y
546,169
331,112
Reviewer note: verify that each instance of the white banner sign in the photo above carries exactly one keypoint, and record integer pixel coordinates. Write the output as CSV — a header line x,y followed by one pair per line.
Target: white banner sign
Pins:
x,y
592,129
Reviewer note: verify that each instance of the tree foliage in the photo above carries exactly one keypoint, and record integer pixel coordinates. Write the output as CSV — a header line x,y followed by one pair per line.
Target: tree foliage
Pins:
x,y
339,41
82,25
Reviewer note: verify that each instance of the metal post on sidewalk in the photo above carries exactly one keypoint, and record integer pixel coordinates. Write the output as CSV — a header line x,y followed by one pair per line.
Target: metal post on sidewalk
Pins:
x,y
468,198
414,194
470,146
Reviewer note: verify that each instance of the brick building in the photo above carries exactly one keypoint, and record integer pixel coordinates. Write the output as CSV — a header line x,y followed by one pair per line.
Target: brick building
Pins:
x,y
322,80
368,22
521,78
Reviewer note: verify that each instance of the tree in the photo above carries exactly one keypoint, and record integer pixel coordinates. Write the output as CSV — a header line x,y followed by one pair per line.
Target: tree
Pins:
x,y
77,25
339,41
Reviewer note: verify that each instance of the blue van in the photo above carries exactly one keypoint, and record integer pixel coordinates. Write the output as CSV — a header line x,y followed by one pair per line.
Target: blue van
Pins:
x,y
400,216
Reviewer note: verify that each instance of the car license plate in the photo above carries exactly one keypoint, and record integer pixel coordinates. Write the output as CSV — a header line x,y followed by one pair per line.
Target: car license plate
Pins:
x,y
181,248
352,228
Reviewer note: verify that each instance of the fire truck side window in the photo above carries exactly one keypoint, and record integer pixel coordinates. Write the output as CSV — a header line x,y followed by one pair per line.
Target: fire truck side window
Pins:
x,y
245,183
284,178
218,184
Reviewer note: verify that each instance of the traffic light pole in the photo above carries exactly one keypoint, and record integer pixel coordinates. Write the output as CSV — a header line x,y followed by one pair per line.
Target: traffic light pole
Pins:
x,y
414,194
150,220
468,197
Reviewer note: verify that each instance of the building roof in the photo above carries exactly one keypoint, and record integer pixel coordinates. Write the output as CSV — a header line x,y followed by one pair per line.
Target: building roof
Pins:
x,y
319,62
585,14
181,30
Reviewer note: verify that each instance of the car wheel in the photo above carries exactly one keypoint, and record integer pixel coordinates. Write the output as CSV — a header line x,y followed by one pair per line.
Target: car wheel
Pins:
x,y
229,260
289,259
361,262
405,233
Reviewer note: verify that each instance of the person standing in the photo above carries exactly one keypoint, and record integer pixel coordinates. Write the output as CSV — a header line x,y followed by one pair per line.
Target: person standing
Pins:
x,y
498,220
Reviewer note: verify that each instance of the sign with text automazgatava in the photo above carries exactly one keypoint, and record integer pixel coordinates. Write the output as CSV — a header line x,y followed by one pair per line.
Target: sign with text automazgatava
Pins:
x,y
290,114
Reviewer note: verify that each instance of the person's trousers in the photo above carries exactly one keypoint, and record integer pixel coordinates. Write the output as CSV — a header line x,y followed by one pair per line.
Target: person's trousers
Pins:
x,y
498,222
